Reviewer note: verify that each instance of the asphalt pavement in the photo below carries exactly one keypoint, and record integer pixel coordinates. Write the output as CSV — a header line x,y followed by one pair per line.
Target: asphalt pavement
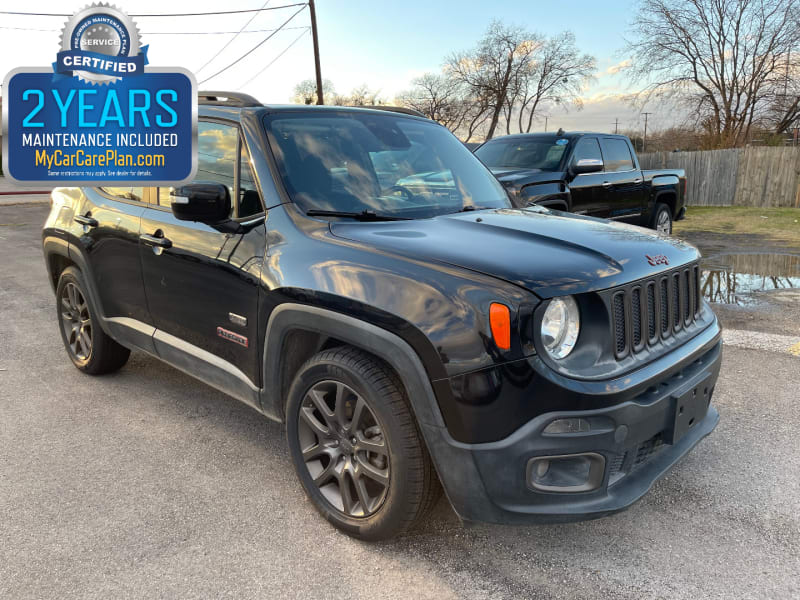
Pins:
x,y
149,484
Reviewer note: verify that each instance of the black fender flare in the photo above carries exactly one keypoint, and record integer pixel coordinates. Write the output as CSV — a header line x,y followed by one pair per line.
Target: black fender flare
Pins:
x,y
387,346
453,460
52,245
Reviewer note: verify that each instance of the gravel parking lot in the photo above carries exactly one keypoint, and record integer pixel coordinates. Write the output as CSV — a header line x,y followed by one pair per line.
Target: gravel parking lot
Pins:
x,y
147,483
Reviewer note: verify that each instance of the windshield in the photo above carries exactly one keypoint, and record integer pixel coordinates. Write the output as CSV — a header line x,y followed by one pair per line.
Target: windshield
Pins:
x,y
542,154
385,164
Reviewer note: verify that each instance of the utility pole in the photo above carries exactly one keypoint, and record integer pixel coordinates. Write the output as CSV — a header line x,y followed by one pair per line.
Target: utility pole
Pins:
x,y
644,141
545,124
313,12
616,125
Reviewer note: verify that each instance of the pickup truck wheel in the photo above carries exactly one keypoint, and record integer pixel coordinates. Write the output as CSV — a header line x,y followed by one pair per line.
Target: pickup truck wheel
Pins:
x,y
88,346
356,447
662,219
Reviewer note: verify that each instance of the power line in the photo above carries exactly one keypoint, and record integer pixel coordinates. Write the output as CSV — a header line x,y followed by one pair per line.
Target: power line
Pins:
x,y
200,14
257,46
168,32
269,64
230,41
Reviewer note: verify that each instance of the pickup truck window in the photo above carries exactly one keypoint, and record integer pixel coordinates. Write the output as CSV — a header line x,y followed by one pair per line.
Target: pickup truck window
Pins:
x,y
544,155
385,164
617,155
587,148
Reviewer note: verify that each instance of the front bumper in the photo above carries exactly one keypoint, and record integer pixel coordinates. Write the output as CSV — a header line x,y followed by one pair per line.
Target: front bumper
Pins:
x,y
491,481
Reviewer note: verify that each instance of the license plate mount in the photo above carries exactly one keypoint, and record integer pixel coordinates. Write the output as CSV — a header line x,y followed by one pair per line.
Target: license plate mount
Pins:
x,y
690,406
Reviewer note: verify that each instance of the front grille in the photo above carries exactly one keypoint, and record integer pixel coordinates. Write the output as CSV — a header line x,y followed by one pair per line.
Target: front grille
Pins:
x,y
664,305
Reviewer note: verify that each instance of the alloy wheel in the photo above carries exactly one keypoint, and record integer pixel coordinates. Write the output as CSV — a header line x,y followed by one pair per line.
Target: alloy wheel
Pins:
x,y
663,224
344,448
76,321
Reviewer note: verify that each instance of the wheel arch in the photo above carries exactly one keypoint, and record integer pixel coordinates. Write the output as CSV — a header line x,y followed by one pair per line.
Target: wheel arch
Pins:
x,y
59,255
668,197
295,332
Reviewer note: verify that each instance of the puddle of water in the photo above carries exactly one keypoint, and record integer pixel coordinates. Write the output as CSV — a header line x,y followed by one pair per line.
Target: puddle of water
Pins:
x,y
737,278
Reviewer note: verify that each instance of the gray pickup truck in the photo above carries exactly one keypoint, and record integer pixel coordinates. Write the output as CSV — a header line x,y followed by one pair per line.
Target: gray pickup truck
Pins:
x,y
593,174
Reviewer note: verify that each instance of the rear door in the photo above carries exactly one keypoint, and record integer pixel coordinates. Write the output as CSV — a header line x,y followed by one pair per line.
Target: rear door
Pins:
x,y
586,190
202,280
622,182
107,223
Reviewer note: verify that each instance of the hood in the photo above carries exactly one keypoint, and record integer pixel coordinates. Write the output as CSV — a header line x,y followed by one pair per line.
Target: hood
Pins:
x,y
550,254
517,177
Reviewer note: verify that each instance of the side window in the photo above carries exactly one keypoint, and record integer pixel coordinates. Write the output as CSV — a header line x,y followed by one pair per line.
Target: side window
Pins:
x,y
219,156
587,148
617,155
128,193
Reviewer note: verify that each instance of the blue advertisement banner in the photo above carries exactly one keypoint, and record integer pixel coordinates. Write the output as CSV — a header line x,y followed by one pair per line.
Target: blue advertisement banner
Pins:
x,y
140,129
100,115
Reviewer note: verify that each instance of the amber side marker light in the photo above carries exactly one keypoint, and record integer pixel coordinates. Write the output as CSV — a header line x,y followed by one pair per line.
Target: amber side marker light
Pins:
x,y
500,320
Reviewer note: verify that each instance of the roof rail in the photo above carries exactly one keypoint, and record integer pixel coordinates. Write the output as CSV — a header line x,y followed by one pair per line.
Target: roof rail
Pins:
x,y
397,109
227,99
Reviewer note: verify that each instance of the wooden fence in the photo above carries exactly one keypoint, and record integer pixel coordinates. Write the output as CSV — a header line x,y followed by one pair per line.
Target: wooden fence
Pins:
x,y
738,177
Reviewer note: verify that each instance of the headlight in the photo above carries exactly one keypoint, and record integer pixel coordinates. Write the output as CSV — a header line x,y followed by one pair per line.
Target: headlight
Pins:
x,y
560,326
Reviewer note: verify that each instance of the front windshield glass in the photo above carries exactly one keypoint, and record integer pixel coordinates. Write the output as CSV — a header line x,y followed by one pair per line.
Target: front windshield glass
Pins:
x,y
542,154
386,164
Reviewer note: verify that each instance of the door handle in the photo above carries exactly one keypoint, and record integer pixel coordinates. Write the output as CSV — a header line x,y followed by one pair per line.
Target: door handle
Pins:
x,y
158,241
637,180
87,220
607,184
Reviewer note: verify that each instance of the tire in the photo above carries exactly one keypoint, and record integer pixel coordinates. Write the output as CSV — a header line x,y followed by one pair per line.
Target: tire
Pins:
x,y
662,219
368,495
89,348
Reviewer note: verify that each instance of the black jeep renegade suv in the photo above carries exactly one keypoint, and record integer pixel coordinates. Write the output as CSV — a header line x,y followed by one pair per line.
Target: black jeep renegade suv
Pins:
x,y
361,276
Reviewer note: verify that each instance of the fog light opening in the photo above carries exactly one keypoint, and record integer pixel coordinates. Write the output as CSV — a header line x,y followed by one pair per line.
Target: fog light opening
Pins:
x,y
571,425
568,473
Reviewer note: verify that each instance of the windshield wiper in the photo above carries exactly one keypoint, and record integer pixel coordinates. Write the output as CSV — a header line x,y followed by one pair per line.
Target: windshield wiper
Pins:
x,y
364,215
470,207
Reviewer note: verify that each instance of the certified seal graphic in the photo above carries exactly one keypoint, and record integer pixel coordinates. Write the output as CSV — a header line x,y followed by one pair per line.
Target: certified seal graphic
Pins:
x,y
99,45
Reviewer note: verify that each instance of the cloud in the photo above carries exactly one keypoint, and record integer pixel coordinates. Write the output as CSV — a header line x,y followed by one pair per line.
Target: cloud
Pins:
x,y
620,66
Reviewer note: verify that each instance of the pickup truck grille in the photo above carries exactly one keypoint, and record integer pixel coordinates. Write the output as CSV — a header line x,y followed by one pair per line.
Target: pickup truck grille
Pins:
x,y
648,311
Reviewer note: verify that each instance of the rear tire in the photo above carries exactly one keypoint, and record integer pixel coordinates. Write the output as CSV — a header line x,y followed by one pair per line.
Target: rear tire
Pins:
x,y
662,219
356,447
89,348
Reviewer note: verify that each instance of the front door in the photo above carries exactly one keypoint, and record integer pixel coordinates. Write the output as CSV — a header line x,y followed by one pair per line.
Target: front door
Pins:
x,y
587,194
202,280
623,184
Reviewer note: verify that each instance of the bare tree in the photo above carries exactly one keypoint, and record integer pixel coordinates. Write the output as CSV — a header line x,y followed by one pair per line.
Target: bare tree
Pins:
x,y
437,97
360,96
305,92
556,77
493,71
725,58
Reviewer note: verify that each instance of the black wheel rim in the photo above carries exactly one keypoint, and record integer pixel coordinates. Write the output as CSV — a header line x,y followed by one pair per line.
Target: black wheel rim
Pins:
x,y
344,449
76,322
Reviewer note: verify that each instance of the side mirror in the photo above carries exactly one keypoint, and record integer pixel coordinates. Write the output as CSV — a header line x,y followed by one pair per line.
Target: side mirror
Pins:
x,y
207,202
587,165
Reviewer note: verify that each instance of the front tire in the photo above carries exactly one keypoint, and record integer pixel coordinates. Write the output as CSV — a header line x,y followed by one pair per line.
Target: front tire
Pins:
x,y
89,348
356,447
662,219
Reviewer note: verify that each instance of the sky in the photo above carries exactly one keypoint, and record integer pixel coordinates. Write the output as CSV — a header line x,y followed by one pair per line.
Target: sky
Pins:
x,y
381,44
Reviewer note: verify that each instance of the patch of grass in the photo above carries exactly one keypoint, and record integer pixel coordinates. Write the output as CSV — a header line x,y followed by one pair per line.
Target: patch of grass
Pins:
x,y
780,224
